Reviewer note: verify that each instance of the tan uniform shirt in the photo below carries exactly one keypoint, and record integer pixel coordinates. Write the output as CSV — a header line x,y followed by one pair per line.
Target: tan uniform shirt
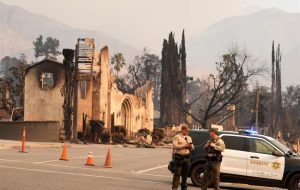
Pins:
x,y
179,144
219,145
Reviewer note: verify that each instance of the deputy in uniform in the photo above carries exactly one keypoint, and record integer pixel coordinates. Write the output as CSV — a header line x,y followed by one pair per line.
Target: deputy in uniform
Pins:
x,y
182,146
213,148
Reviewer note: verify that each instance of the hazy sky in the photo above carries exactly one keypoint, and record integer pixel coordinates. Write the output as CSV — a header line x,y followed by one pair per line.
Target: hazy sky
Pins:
x,y
143,23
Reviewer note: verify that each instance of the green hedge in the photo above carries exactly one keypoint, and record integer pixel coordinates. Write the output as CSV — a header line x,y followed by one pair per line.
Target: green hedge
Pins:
x,y
119,134
105,137
144,131
157,135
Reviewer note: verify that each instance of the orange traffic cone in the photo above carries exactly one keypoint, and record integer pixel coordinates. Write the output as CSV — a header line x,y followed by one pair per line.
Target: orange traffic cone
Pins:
x,y
108,163
64,153
23,140
90,160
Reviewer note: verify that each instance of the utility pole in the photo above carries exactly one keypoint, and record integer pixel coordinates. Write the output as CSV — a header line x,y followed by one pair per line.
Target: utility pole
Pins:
x,y
182,86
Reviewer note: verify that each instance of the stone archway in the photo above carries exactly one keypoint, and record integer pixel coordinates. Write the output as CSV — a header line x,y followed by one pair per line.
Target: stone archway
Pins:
x,y
126,115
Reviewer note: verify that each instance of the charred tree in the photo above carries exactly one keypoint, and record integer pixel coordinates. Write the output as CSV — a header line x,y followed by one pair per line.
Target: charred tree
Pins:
x,y
173,79
217,104
18,73
183,77
279,110
272,123
7,100
164,85
12,85
277,116
67,90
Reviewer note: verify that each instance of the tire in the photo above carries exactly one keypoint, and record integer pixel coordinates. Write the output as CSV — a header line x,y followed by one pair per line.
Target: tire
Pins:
x,y
195,176
293,182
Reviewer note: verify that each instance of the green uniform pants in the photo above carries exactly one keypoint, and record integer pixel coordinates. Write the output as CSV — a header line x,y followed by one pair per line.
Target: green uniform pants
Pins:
x,y
181,169
213,166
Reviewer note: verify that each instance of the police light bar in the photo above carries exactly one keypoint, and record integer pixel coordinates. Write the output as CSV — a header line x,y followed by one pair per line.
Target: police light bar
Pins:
x,y
248,132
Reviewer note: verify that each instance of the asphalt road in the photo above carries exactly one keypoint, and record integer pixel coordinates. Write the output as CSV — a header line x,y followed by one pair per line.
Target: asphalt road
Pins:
x,y
133,169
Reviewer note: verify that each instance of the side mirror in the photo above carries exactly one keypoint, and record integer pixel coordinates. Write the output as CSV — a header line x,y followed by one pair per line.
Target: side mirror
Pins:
x,y
277,153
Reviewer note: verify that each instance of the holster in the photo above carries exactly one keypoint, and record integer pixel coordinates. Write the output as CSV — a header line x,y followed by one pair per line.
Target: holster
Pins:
x,y
181,157
217,158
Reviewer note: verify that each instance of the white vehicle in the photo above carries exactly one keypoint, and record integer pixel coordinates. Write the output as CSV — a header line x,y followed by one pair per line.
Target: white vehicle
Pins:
x,y
249,158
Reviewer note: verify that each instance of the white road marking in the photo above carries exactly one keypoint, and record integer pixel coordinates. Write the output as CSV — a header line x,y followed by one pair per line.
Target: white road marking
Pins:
x,y
150,169
13,160
68,159
84,175
88,168
105,170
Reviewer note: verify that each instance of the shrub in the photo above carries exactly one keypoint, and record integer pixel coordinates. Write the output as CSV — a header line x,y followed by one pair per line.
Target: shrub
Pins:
x,y
119,134
105,137
144,131
95,129
97,126
157,135
118,138
119,129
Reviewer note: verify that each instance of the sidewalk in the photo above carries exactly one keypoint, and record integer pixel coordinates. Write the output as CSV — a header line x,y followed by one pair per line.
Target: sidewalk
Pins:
x,y
16,145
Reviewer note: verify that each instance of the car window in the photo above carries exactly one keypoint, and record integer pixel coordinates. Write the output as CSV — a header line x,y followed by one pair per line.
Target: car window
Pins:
x,y
281,146
260,146
234,142
199,138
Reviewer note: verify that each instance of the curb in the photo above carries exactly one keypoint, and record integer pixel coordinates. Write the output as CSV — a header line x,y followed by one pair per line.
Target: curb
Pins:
x,y
17,147
35,146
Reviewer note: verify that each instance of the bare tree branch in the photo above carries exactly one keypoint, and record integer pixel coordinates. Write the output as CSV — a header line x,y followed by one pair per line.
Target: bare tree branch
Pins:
x,y
233,74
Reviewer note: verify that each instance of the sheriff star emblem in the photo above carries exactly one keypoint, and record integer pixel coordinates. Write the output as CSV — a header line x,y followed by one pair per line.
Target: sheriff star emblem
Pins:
x,y
275,165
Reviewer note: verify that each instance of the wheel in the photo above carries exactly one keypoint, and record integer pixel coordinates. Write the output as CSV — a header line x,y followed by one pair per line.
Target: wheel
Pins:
x,y
294,182
196,178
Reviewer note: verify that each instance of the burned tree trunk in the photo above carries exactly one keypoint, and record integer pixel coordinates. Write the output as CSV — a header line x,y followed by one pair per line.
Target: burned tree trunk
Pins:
x,y
173,79
277,115
183,78
279,110
164,85
67,90
272,123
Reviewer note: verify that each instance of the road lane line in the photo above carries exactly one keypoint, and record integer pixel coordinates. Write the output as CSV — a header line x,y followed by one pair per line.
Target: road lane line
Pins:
x,y
1,159
87,168
105,170
150,169
68,159
84,175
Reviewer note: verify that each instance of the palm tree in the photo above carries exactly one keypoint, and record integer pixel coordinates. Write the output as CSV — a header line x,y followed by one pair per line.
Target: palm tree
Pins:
x,y
118,61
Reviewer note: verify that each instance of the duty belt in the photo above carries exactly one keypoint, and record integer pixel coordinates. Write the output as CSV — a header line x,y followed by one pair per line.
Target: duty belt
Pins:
x,y
182,156
211,155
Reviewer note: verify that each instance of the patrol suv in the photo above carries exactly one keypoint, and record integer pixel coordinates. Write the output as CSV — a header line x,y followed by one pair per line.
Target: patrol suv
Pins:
x,y
249,158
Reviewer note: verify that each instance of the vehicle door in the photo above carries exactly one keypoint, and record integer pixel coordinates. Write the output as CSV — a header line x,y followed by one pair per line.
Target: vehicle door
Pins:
x,y
262,162
235,155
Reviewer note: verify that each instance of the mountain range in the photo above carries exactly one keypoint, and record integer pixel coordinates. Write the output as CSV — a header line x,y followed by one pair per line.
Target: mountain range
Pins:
x,y
254,33
19,28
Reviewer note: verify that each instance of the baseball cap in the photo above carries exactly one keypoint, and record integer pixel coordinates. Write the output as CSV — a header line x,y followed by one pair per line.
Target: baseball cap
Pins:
x,y
215,130
184,127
